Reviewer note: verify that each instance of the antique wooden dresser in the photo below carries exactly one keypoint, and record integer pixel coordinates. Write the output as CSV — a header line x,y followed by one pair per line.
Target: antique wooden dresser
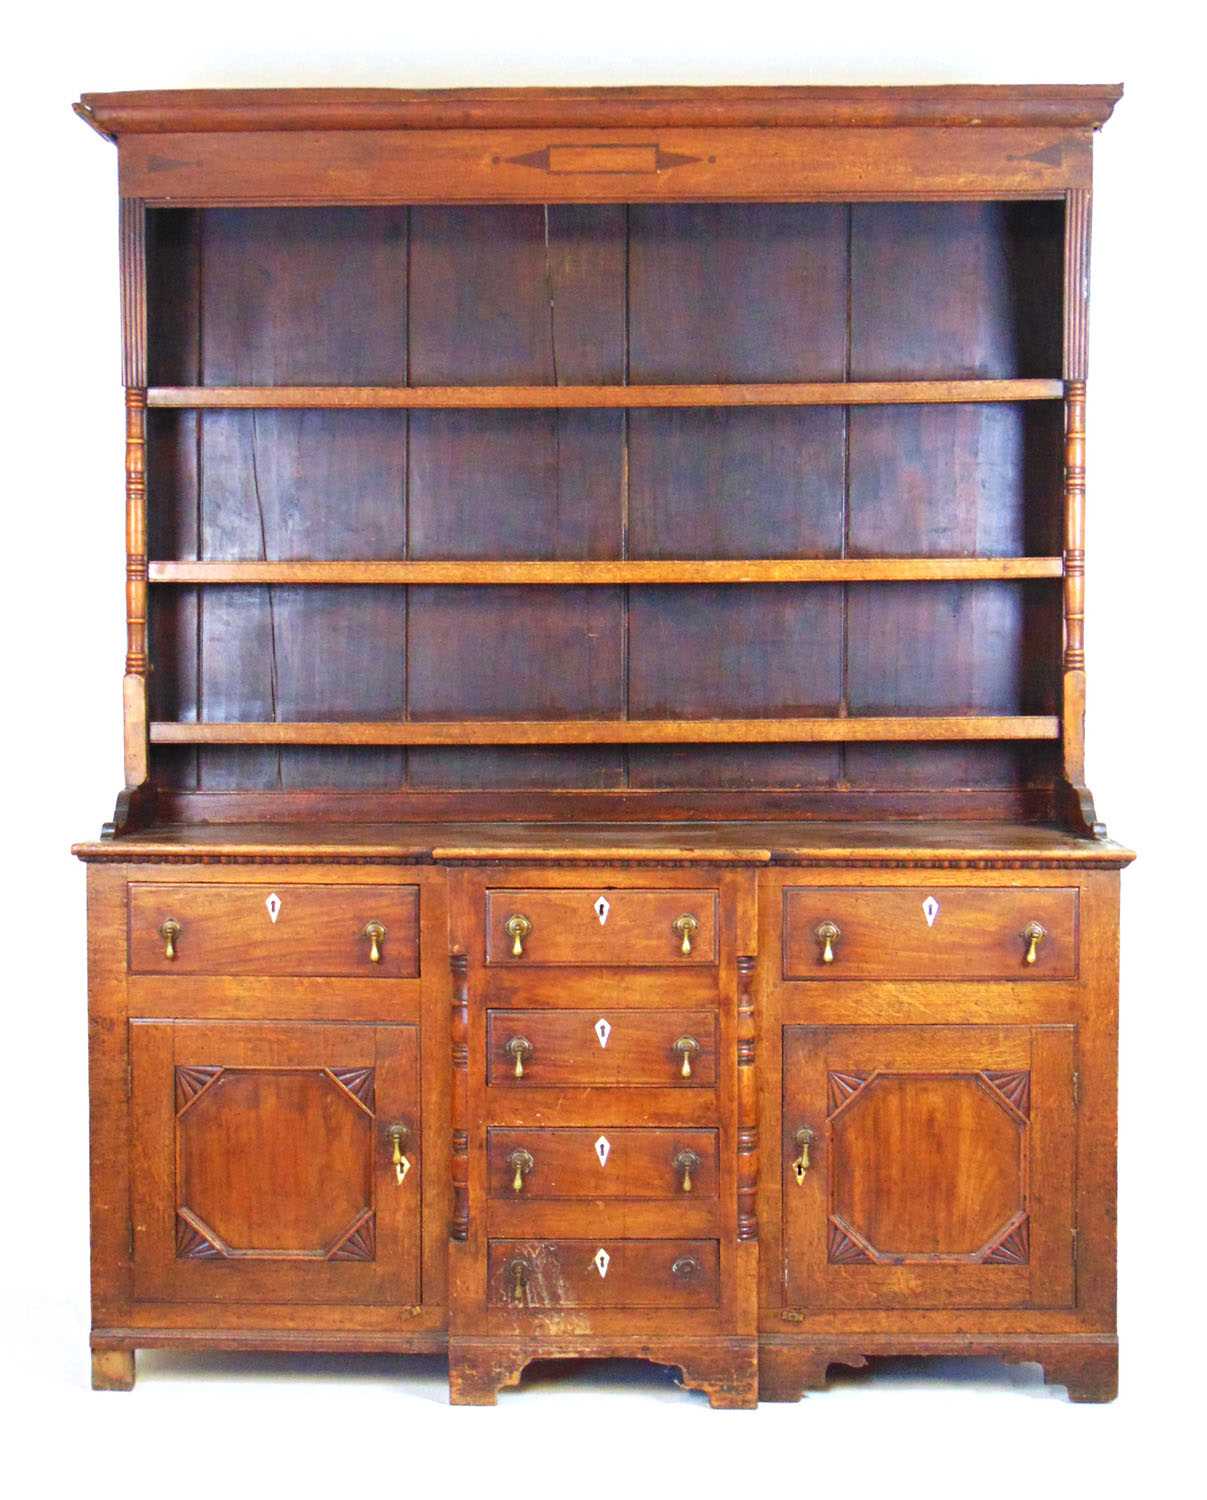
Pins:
x,y
605,866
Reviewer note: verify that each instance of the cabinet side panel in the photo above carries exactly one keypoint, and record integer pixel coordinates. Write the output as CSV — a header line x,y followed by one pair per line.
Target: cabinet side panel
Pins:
x,y
107,1092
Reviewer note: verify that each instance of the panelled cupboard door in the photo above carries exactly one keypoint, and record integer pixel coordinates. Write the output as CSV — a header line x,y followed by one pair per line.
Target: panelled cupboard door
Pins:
x,y
263,1162
937,1168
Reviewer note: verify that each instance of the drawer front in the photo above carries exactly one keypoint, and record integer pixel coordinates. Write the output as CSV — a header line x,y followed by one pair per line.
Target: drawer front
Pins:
x,y
601,926
546,1165
595,1274
286,930
918,933
575,1048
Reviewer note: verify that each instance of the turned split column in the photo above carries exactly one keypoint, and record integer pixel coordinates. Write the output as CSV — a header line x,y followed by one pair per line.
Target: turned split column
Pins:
x,y
748,1106
133,260
1076,351
459,1228
1074,586
134,684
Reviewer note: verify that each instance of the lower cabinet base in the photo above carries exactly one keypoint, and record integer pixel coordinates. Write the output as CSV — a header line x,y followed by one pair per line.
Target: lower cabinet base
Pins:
x,y
726,1370
731,1372
1087,1365
113,1348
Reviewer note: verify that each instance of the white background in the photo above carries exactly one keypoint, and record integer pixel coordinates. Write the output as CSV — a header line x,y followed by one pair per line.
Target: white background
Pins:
x,y
230,1426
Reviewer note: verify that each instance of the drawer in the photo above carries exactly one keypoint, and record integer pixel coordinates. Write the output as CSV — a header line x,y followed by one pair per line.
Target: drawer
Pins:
x,y
591,1273
658,1165
919,933
577,1048
287,930
596,925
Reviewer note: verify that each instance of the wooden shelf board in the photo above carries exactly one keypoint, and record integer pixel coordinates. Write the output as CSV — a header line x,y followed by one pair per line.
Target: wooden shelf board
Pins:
x,y
686,571
815,393
610,731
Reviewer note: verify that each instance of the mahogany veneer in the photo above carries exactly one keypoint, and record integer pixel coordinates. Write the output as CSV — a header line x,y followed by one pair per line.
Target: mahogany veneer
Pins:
x,y
605,865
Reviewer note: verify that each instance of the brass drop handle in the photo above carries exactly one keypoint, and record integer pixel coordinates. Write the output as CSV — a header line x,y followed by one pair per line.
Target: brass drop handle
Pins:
x,y
521,1049
686,927
686,1162
1033,935
517,1275
398,1136
517,929
170,931
521,1163
827,934
804,1139
376,934
687,1047
686,1267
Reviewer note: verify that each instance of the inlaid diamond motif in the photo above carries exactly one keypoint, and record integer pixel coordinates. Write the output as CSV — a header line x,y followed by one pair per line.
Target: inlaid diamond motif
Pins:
x,y
602,909
601,1261
274,906
602,1148
930,910
602,1031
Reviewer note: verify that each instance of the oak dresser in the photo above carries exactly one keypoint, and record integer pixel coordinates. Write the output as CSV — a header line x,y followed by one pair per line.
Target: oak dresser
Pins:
x,y
605,866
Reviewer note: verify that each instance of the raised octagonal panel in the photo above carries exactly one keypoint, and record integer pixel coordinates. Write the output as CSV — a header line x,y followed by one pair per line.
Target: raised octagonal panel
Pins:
x,y
928,1165
275,1163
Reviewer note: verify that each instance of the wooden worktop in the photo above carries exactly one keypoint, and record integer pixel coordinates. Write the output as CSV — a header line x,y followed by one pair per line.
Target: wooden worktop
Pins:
x,y
855,843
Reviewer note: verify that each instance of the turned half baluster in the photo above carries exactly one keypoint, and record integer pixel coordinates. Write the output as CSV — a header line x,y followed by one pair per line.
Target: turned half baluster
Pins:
x,y
748,1106
134,686
459,1229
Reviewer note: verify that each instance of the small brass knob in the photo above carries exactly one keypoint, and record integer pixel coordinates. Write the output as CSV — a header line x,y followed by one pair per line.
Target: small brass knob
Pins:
x,y
686,927
398,1136
170,931
376,934
521,1049
686,1162
687,1047
1033,935
827,934
521,1163
804,1139
517,1276
686,1267
517,928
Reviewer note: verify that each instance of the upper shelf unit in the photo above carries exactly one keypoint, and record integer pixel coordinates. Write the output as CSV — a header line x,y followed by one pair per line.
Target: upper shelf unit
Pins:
x,y
785,479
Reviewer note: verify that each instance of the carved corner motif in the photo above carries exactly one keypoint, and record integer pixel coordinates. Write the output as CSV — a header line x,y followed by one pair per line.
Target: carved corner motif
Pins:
x,y
191,1083
843,1249
1014,1087
1014,1248
358,1082
360,1243
193,1244
844,1086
